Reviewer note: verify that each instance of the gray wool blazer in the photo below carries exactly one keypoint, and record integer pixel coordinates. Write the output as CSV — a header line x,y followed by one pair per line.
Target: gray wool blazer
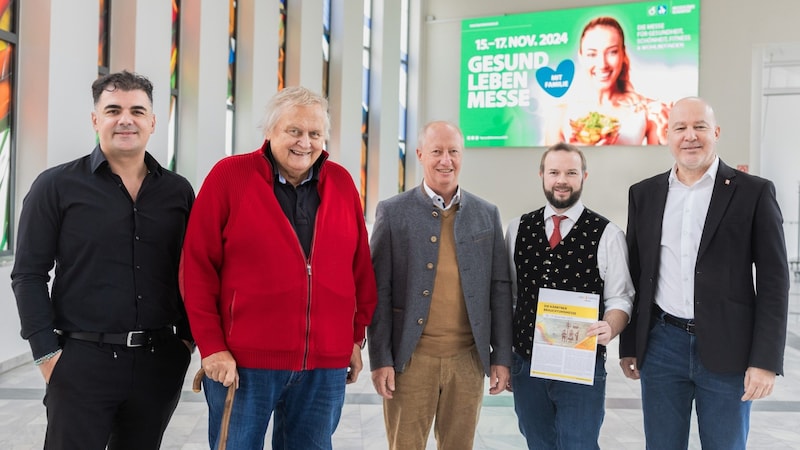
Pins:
x,y
404,255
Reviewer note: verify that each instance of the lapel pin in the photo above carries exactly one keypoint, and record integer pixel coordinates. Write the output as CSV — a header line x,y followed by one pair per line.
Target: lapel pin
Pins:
x,y
727,182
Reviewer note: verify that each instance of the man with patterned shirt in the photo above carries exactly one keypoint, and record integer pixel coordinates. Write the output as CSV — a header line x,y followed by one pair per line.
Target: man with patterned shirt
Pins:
x,y
591,257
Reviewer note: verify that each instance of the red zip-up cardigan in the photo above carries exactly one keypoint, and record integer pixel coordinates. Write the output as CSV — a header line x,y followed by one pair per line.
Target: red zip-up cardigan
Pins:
x,y
246,282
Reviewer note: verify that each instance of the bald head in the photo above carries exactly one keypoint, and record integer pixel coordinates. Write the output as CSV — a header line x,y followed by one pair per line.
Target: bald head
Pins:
x,y
439,150
692,137
692,104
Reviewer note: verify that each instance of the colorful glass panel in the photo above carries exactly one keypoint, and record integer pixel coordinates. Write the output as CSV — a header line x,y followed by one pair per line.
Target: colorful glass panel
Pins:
x,y
7,87
282,46
172,128
326,45
102,38
367,36
7,22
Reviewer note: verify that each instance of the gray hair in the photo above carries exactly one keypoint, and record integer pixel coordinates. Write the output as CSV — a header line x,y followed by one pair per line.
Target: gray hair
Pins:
x,y
289,98
423,133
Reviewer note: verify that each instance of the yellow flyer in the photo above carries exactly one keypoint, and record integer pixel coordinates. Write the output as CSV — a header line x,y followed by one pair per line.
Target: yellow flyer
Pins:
x,y
561,349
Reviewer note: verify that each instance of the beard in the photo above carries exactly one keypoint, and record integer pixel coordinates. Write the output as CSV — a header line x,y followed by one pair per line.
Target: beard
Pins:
x,y
574,196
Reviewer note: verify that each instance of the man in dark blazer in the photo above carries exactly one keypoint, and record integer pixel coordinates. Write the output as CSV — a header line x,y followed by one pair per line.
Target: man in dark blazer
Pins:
x,y
709,264
443,320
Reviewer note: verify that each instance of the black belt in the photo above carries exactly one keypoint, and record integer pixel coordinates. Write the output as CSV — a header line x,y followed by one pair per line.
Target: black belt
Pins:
x,y
129,339
686,325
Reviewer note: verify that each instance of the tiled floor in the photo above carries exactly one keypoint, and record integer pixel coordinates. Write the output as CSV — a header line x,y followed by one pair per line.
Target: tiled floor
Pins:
x,y
775,421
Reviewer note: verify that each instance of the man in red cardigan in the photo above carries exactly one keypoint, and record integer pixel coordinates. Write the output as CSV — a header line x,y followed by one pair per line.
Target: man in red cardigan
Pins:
x,y
278,282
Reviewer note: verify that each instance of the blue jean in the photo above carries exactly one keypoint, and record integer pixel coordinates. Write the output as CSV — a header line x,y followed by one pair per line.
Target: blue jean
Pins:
x,y
307,406
559,414
673,377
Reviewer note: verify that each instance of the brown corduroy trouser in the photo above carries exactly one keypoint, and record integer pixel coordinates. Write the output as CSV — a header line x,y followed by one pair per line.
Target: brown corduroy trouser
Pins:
x,y
449,389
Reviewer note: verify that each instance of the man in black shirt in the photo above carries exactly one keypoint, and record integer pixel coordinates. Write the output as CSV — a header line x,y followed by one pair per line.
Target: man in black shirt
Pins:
x,y
111,338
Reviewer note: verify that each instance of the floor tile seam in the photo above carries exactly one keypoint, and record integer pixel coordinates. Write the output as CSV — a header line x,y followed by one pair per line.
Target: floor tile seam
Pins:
x,y
612,403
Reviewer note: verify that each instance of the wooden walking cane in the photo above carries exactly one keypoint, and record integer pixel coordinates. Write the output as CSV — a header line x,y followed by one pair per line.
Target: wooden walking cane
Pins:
x,y
226,411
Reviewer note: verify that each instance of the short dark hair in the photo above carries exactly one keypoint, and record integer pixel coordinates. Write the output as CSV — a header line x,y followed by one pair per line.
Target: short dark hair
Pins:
x,y
125,81
563,147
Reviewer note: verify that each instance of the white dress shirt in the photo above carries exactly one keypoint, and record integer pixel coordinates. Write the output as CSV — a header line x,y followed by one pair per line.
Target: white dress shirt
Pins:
x,y
612,258
438,200
681,230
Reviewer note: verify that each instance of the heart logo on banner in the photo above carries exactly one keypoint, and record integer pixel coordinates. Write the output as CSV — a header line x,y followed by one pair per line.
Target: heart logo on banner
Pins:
x,y
556,82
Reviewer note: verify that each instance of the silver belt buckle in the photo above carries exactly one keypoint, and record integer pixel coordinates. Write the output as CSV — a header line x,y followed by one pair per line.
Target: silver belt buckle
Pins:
x,y
129,339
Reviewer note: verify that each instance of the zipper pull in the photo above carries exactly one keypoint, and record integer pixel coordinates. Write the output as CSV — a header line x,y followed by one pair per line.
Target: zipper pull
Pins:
x,y
308,268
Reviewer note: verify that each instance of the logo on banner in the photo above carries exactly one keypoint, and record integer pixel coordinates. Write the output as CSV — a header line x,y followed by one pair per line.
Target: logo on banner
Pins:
x,y
556,82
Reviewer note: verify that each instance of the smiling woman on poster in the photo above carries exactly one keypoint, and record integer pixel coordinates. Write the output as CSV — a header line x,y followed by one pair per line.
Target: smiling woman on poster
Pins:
x,y
607,111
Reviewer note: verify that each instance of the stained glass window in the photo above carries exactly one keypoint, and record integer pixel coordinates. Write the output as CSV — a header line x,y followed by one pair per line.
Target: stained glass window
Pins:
x,y
365,98
172,127
8,42
403,100
326,45
229,115
282,47
102,39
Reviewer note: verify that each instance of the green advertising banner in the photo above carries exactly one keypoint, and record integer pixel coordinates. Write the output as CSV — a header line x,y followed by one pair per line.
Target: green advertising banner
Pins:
x,y
603,75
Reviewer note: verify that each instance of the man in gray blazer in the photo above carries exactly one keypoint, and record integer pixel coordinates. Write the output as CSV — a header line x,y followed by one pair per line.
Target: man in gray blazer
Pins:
x,y
443,318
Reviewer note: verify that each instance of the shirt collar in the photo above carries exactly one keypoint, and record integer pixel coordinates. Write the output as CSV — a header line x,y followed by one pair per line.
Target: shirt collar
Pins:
x,y
573,213
313,174
98,159
711,173
438,200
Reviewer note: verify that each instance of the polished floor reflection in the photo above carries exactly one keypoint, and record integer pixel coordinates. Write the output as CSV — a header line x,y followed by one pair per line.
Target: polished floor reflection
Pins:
x,y
774,421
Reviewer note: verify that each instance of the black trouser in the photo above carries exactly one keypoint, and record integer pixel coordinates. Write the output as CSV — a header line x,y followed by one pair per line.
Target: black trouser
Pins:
x,y
114,395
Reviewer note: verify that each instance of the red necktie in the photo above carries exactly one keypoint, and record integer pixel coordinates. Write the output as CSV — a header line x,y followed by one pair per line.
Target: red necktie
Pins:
x,y
555,238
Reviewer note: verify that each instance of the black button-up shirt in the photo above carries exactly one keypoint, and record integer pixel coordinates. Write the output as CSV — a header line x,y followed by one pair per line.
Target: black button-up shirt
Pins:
x,y
300,204
116,260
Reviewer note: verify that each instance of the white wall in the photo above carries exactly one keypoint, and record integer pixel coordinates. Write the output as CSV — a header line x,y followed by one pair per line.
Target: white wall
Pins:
x,y
509,177
776,102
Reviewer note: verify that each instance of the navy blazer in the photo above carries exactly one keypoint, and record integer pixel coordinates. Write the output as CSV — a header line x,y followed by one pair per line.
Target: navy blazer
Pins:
x,y
740,318
404,256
